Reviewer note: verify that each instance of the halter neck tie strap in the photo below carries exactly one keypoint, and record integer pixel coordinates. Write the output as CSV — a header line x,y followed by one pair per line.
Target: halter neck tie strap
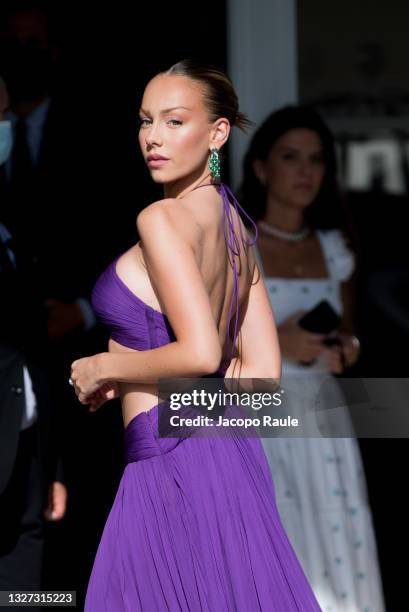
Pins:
x,y
233,245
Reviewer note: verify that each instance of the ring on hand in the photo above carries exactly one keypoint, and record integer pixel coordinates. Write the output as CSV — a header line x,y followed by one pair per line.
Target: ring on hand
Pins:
x,y
71,382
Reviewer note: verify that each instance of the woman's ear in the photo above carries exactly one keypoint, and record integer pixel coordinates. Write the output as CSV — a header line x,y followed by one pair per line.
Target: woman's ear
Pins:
x,y
219,133
259,171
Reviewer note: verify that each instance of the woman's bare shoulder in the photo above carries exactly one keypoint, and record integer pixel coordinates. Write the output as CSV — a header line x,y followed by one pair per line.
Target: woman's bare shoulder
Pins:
x,y
161,209
155,208
173,211
165,216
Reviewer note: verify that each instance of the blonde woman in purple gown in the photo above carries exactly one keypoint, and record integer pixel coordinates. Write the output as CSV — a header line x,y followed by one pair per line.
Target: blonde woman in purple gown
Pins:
x,y
194,525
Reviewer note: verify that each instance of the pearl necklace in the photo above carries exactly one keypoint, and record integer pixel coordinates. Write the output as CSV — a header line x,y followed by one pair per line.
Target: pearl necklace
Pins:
x,y
278,233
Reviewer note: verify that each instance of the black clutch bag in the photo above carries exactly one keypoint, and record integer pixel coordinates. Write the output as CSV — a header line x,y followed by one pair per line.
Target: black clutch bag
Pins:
x,y
321,320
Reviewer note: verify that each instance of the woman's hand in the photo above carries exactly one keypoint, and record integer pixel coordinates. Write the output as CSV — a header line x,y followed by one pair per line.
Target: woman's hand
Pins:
x,y
343,354
298,344
333,359
351,348
86,375
107,392
57,502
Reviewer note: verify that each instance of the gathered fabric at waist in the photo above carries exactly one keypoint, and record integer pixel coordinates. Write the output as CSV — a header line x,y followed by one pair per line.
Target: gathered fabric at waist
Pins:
x,y
141,434
141,437
144,439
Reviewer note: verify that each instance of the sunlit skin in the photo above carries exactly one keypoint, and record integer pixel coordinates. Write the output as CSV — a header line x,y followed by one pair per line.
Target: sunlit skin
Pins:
x,y
175,123
293,174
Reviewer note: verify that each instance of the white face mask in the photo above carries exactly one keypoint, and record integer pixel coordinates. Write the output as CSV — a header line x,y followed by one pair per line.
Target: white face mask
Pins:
x,y
6,141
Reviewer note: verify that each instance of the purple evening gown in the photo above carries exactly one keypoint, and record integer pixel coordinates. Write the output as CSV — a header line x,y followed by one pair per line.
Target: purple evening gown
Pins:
x,y
194,525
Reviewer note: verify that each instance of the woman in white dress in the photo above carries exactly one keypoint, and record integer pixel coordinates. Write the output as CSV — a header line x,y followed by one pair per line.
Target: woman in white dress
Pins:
x,y
289,185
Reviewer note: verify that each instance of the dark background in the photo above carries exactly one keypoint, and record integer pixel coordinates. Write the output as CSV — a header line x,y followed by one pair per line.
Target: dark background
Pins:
x,y
352,59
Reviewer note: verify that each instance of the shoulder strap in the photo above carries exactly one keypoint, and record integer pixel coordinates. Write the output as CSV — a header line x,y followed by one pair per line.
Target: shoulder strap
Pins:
x,y
232,241
233,245
338,256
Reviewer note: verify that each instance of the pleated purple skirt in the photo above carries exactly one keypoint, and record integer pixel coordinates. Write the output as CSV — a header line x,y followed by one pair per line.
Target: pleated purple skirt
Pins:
x,y
194,527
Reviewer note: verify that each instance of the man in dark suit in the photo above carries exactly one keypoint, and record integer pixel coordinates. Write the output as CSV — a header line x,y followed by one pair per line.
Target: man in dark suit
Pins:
x,y
41,183
51,195
28,458
51,200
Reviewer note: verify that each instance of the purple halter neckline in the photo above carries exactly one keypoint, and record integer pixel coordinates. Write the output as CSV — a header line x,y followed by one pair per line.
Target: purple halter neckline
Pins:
x,y
233,244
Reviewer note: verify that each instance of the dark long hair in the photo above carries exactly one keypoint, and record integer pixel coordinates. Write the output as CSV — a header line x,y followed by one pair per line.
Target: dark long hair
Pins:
x,y
328,209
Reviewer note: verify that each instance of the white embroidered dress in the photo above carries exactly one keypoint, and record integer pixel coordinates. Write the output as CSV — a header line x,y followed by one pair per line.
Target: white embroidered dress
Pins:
x,y
320,483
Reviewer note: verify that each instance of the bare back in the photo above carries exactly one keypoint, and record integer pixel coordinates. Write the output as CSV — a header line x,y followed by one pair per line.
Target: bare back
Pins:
x,y
199,220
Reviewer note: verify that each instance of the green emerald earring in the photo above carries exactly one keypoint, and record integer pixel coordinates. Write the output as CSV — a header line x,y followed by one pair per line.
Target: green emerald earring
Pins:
x,y
214,163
